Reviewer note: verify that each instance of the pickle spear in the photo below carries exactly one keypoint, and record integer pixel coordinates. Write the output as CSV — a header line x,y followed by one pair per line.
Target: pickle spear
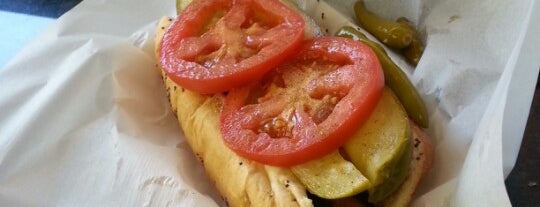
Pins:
x,y
398,174
331,177
392,34
379,147
394,78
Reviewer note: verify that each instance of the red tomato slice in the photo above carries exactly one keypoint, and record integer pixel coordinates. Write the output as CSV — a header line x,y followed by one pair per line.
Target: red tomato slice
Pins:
x,y
215,45
307,107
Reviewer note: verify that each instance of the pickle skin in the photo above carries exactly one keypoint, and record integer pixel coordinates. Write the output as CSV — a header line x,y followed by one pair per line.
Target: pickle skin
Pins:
x,y
398,174
394,78
381,149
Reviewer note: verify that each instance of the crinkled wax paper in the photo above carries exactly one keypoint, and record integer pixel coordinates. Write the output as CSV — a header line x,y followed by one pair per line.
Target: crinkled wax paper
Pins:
x,y
84,120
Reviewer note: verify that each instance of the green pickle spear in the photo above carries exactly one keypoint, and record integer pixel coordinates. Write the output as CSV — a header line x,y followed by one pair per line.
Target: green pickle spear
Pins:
x,y
331,177
392,34
394,78
379,153
398,174
381,149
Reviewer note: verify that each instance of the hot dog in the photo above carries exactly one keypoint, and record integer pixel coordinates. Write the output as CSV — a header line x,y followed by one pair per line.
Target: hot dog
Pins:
x,y
244,182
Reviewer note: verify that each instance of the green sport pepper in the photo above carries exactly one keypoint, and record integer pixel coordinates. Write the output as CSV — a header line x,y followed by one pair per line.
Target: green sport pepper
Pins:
x,y
414,51
392,34
394,78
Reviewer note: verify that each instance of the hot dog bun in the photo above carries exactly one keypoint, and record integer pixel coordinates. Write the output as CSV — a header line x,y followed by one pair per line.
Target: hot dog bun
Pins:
x,y
243,182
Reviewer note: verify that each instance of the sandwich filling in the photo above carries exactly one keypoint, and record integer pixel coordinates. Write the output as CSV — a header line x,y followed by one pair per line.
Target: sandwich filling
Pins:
x,y
315,106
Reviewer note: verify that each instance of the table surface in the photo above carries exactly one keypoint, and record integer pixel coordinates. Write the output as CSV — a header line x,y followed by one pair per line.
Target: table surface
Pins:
x,y
523,183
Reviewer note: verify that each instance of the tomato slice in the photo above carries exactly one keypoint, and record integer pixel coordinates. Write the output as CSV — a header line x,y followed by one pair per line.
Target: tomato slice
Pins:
x,y
215,45
306,107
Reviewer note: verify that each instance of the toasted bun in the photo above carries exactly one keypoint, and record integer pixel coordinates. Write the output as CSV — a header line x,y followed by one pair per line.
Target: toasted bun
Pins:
x,y
242,182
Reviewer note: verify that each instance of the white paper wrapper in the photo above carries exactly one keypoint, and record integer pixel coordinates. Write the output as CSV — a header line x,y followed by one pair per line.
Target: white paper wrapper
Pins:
x,y
84,120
